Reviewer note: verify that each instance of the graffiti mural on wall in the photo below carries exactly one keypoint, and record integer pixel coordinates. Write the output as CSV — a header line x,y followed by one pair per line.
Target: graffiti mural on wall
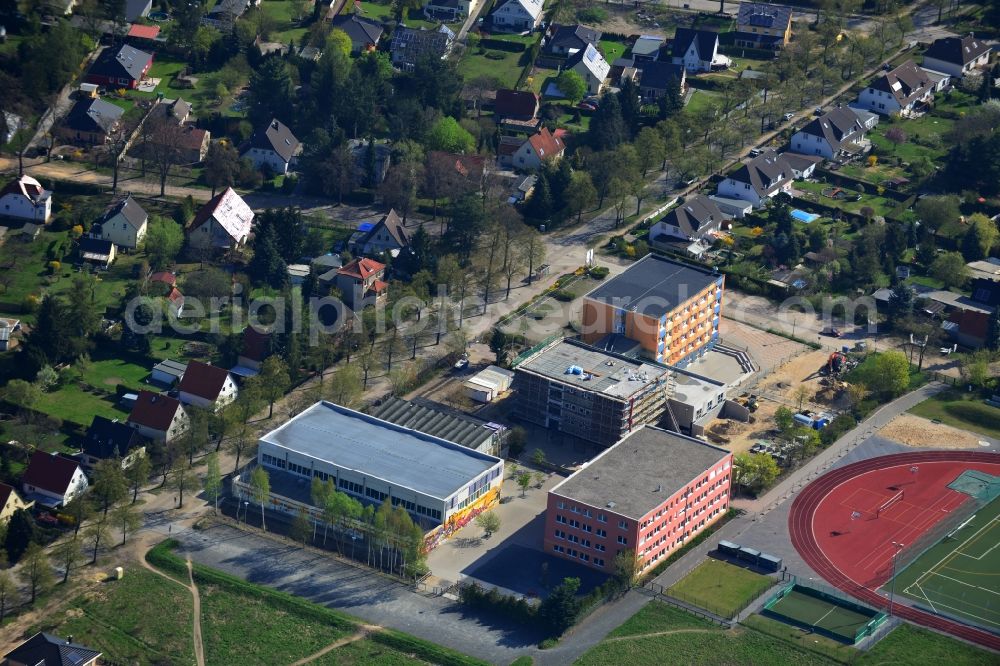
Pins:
x,y
460,519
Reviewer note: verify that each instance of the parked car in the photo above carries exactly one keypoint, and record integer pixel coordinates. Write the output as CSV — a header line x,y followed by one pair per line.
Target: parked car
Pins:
x,y
831,331
787,116
818,111
462,363
754,152
586,106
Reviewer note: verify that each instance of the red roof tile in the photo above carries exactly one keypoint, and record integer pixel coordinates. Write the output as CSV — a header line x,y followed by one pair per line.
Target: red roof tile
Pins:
x,y
143,31
256,344
378,286
49,471
165,277
5,492
154,410
362,268
516,104
203,380
545,144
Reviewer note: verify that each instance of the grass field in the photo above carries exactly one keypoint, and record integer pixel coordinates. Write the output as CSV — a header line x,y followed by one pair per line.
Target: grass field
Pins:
x,y
834,618
660,634
957,575
907,644
881,205
366,652
804,640
503,66
141,619
720,587
961,410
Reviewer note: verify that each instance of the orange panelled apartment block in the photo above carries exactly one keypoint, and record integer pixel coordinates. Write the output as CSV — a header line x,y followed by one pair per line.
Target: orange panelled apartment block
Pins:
x,y
670,309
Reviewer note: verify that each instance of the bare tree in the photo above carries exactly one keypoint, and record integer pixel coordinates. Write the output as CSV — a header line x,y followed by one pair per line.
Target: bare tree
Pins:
x,y
163,143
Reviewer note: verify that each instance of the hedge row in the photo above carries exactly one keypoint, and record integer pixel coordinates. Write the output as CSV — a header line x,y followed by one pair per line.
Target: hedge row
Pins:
x,y
502,45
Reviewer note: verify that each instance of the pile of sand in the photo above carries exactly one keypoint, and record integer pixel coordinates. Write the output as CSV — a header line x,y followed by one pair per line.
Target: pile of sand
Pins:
x,y
923,433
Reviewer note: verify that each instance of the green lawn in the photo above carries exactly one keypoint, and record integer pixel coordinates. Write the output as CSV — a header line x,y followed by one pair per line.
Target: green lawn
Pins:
x,y
961,410
720,587
917,130
702,104
376,11
366,652
612,50
907,644
881,205
286,15
71,403
805,640
141,619
659,634
501,65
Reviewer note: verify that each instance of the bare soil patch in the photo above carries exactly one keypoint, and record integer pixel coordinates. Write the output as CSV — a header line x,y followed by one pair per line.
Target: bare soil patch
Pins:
x,y
919,432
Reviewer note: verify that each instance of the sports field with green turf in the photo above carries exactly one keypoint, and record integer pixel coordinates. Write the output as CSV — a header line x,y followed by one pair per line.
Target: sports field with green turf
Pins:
x,y
958,575
813,611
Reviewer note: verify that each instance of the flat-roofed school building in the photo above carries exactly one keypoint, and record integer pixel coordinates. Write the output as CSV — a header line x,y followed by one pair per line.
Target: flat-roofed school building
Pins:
x,y
441,484
651,492
671,309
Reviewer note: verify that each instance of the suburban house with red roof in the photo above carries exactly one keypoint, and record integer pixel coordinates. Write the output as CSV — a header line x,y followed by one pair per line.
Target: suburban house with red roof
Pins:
x,y
222,223
207,386
386,235
53,480
158,416
537,149
26,199
10,502
362,283
121,68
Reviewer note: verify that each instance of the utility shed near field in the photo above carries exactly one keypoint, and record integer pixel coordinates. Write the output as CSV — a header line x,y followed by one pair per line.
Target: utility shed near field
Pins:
x,y
487,384
168,372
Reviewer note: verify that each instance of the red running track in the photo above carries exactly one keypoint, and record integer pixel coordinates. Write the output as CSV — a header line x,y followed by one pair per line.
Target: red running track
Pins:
x,y
821,515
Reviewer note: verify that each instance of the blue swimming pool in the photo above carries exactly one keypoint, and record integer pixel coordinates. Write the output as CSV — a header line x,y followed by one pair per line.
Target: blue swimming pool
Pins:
x,y
803,216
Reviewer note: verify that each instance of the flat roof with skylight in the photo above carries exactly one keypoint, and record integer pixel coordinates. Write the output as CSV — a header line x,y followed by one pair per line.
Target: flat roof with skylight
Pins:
x,y
640,472
592,369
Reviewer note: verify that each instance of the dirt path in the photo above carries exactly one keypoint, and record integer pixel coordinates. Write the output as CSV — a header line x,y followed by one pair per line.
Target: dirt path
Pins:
x,y
658,633
199,648
919,432
365,630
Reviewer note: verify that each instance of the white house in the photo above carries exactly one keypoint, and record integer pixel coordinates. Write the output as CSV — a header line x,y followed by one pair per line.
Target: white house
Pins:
x,y
536,149
694,219
592,68
274,147
694,49
758,180
206,386
123,223
834,132
52,480
222,223
517,15
899,90
158,417
957,55
26,199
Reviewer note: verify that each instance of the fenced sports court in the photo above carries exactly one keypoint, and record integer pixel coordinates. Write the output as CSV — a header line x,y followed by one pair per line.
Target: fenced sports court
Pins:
x,y
825,613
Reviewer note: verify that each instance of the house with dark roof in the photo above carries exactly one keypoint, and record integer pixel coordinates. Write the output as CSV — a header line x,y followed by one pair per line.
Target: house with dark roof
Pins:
x,y
108,439
26,199
763,26
123,223
410,45
957,56
158,417
536,149
207,386
96,251
759,180
836,132
386,235
273,147
450,11
49,650
364,33
698,218
168,372
256,347
803,166
591,66
656,79
10,501
223,15
53,480
90,121
565,40
137,9
696,50
901,90
121,68
516,104
362,282
222,223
